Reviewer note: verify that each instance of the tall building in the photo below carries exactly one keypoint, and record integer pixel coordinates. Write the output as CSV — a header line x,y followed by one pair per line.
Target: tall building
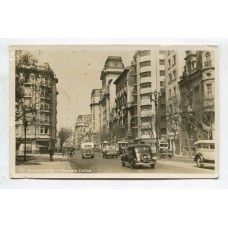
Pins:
x,y
119,116
148,75
174,63
197,91
95,115
112,69
83,131
36,110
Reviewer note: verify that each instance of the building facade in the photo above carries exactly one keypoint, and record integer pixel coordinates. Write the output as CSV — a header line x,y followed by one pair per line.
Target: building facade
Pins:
x,y
36,110
148,75
197,91
95,115
174,63
112,69
83,130
120,128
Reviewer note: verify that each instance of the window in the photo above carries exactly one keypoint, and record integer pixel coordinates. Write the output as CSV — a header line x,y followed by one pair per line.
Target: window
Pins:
x,y
161,62
145,74
170,77
170,108
41,130
169,63
212,146
163,118
174,74
162,52
175,91
161,83
46,118
170,93
144,53
209,90
145,85
145,96
146,63
162,73
46,130
174,60
145,107
208,59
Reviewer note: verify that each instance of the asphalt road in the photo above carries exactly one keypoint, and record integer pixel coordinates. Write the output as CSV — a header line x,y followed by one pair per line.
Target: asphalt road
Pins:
x,y
114,165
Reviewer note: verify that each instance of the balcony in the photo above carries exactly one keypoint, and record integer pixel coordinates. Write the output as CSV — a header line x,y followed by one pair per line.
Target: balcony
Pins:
x,y
145,79
28,95
145,90
145,69
145,102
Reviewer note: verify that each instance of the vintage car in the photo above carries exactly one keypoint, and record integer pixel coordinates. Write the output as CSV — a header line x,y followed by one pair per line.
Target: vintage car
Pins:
x,y
205,152
138,155
109,151
87,150
165,153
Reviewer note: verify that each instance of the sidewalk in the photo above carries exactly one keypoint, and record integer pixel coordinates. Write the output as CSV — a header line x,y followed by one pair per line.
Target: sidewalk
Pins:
x,y
40,163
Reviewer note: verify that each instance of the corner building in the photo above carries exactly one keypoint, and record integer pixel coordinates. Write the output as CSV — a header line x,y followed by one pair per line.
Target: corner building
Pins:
x,y
40,93
148,75
112,69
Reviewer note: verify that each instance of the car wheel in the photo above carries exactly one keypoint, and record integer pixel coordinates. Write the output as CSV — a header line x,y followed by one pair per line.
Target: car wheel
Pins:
x,y
152,166
199,162
170,156
132,165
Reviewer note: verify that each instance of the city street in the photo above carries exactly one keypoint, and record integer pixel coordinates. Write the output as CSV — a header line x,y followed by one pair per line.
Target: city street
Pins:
x,y
113,165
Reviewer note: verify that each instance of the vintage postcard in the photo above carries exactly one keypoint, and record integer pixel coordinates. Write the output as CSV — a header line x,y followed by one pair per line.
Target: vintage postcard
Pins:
x,y
114,111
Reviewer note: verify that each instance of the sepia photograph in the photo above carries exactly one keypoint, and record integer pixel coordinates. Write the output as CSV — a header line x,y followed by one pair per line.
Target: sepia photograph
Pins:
x,y
114,111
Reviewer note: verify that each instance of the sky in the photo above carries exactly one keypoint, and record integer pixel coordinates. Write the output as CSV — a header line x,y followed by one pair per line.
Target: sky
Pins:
x,y
78,72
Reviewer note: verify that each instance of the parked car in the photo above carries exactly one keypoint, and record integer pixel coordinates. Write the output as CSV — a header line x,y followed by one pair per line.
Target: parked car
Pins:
x,y
205,152
165,153
138,155
87,150
110,151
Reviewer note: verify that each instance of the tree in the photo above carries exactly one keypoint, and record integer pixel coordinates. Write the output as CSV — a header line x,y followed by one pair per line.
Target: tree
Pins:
x,y
63,135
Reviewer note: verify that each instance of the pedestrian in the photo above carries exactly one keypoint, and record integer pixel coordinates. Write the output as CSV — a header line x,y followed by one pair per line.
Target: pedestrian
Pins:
x,y
183,151
51,153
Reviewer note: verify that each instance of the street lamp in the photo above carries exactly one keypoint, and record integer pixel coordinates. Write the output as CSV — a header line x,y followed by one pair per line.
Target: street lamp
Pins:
x,y
25,123
154,97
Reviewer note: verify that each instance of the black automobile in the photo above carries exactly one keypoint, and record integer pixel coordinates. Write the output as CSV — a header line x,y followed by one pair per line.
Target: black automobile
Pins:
x,y
165,153
138,155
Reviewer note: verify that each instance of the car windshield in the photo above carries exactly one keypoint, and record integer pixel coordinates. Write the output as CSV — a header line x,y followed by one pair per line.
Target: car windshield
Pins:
x,y
143,149
110,147
87,146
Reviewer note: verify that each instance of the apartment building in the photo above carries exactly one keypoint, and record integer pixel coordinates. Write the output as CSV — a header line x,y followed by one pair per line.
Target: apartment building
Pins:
x,y
119,116
174,64
36,107
83,131
95,115
112,69
148,75
197,91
